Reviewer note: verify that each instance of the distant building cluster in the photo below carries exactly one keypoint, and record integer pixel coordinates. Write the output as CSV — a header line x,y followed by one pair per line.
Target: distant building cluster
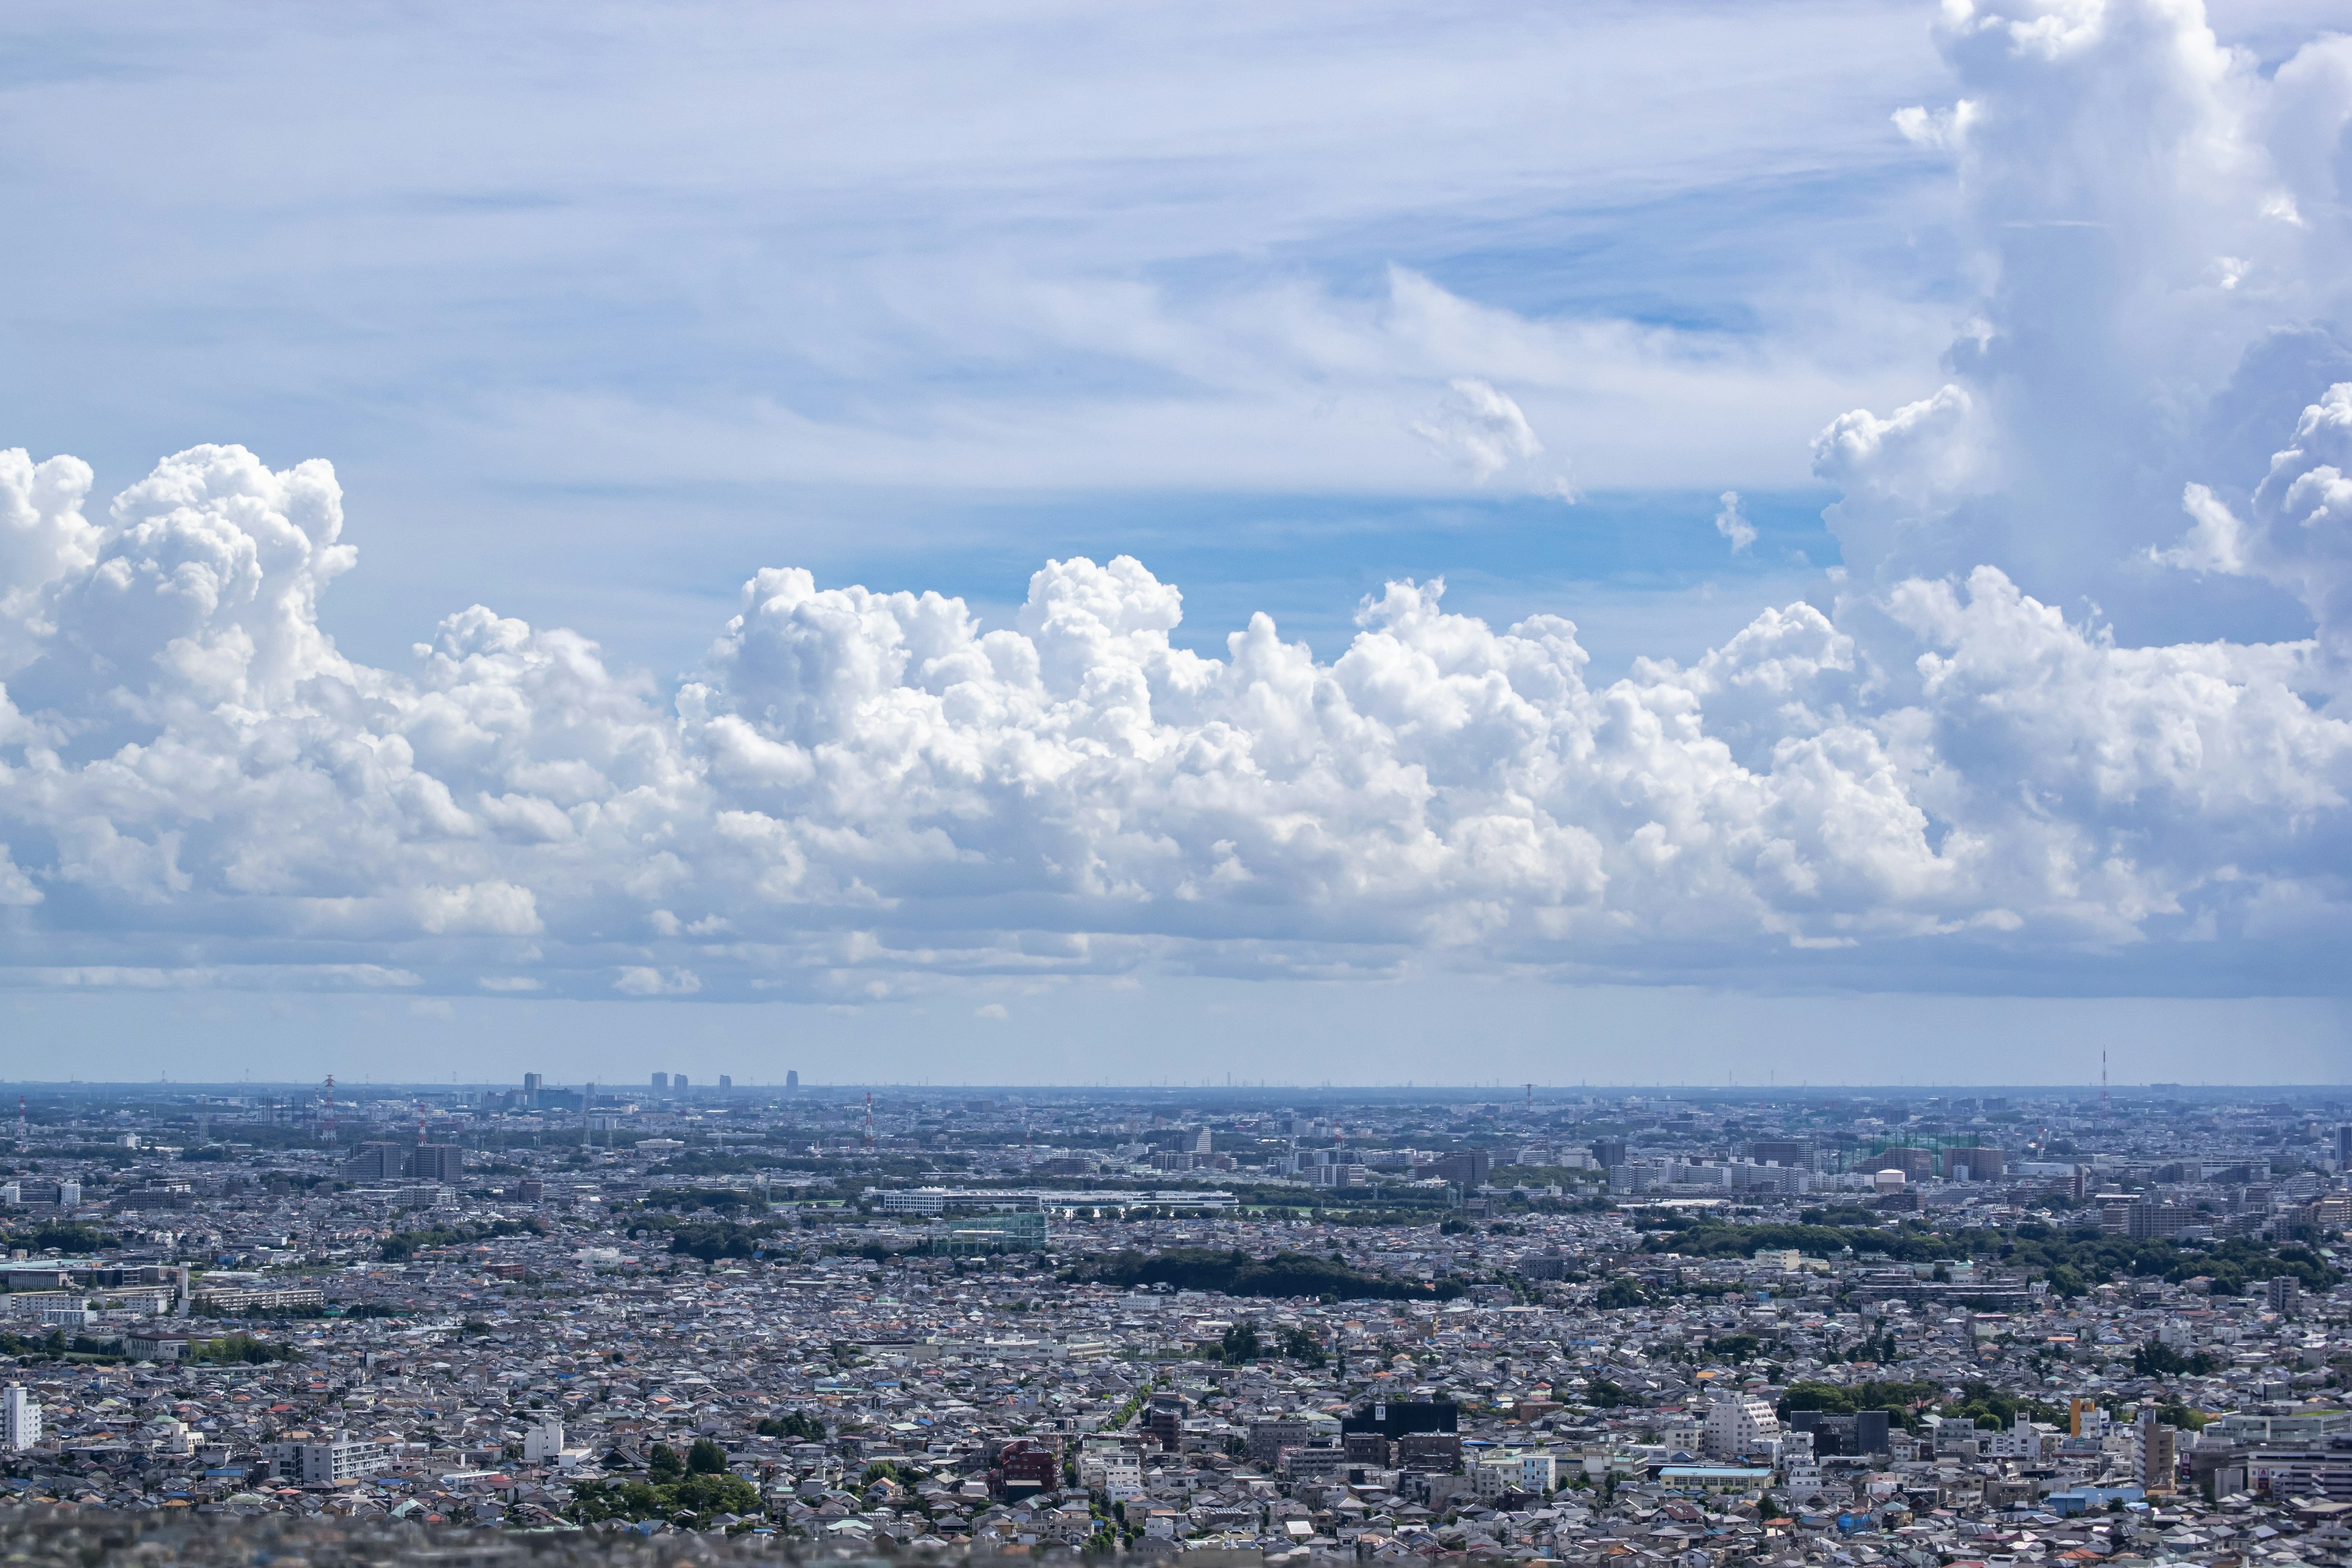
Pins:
x,y
1573,1327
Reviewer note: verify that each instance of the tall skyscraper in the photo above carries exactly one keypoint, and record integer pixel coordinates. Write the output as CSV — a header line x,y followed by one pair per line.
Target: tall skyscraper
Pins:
x,y
661,1080
725,1083
678,1080
531,1084
793,1082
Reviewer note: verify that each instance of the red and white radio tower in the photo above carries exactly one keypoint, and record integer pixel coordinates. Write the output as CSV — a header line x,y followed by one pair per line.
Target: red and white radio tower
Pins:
x,y
327,1130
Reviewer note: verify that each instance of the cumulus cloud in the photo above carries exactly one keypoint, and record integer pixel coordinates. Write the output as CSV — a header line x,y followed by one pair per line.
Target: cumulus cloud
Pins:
x,y
2160,225
1951,768
860,789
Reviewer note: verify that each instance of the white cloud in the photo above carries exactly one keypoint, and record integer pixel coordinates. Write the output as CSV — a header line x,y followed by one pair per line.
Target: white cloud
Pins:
x,y
1943,130
643,980
2301,535
2139,200
1480,428
863,790
859,794
1732,522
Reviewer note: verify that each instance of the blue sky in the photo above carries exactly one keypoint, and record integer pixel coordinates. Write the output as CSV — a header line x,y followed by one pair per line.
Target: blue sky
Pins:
x,y
555,276
597,311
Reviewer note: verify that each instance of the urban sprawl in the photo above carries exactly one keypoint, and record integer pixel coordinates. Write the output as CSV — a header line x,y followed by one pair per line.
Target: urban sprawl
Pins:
x,y
1678,1329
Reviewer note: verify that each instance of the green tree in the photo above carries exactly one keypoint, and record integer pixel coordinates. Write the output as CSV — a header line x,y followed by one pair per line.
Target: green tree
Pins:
x,y
1241,1343
705,1458
664,1464
2156,1359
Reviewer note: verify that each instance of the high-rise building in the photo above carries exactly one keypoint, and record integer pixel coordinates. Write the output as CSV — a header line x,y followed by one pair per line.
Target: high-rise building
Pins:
x,y
1973,1164
661,1080
725,1083
2283,1295
1737,1423
20,1418
1917,1164
2155,1452
375,1163
437,1163
793,1083
2344,1148
1797,1154
1466,1167
1608,1151
531,1082
678,1080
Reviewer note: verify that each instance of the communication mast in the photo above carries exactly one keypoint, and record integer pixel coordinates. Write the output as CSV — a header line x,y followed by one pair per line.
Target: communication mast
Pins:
x,y
327,1126
869,1119
2107,1106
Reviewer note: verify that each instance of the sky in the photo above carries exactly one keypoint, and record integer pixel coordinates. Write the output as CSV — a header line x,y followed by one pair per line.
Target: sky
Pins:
x,y
1367,542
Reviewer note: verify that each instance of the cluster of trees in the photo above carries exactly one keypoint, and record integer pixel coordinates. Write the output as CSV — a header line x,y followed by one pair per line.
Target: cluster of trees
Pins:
x,y
71,1240
716,1239
2072,1261
1237,1273
797,1425
2156,1359
1243,1342
689,1491
1988,1406
401,1246
239,1348
725,1200
1712,1238
1901,1401
54,1345
2076,1259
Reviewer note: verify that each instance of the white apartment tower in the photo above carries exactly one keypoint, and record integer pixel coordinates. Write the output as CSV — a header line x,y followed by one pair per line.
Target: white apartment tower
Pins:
x,y
20,1418
1737,1423
544,1444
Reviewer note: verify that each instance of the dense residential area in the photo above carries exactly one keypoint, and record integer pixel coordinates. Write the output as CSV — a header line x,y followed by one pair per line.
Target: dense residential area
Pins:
x,y
1688,1327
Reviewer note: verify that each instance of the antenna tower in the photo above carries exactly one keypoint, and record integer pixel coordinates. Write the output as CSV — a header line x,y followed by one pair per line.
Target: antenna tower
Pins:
x,y
869,1119
20,1121
2107,1106
326,1128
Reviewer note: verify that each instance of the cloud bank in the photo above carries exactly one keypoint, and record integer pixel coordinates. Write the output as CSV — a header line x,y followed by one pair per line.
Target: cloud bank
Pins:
x,y
860,789
1952,775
